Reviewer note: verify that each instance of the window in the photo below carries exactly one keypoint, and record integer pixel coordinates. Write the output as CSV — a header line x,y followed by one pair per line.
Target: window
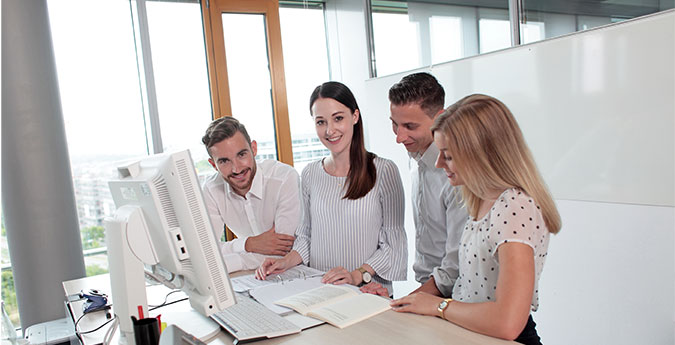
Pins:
x,y
180,77
413,34
110,96
303,37
563,17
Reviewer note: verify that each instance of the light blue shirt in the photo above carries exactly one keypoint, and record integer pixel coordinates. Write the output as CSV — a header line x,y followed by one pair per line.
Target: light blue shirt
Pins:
x,y
439,218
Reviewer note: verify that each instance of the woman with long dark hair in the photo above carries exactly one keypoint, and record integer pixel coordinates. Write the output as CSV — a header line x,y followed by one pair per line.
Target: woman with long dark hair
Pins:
x,y
353,203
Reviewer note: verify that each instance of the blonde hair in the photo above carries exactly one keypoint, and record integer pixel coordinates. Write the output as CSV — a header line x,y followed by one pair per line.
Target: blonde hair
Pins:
x,y
490,152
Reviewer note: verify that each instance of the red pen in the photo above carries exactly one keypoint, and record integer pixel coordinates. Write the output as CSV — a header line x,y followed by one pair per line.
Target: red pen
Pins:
x,y
159,321
140,312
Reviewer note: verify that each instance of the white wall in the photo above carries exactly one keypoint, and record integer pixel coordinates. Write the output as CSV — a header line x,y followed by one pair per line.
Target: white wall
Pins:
x,y
597,108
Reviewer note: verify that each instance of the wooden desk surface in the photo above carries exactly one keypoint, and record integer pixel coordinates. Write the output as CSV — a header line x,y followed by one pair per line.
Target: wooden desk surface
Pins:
x,y
389,327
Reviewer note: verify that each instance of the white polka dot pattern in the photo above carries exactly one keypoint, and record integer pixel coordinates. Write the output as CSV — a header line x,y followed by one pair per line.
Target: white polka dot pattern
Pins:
x,y
514,217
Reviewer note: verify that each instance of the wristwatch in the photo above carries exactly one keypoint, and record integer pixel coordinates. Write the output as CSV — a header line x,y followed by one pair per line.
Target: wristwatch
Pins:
x,y
365,275
442,306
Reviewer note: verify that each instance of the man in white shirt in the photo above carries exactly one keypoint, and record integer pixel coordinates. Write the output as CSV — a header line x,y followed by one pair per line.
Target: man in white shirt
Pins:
x,y
438,215
259,202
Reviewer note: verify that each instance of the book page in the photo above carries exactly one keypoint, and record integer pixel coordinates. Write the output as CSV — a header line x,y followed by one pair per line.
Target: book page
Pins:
x,y
248,282
316,298
267,295
351,310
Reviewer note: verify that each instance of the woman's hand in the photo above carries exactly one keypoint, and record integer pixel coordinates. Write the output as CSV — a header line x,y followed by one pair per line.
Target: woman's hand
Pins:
x,y
418,303
375,289
339,275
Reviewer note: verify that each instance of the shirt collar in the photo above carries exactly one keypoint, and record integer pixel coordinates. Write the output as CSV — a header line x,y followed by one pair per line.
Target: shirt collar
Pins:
x,y
256,187
427,158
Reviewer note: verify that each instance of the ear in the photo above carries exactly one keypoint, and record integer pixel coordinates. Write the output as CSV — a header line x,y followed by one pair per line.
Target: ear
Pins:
x,y
254,148
356,116
213,164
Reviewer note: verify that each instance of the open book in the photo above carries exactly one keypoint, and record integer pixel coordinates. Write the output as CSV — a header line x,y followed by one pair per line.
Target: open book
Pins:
x,y
340,306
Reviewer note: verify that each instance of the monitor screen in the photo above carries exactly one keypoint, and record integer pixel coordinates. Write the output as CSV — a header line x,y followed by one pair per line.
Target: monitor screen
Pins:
x,y
162,219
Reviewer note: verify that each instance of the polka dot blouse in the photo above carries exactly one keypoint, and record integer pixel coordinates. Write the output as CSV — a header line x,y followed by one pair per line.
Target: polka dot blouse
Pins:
x,y
514,217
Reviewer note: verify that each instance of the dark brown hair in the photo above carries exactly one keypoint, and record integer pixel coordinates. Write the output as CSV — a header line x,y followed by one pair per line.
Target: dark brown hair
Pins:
x,y
419,88
223,128
362,173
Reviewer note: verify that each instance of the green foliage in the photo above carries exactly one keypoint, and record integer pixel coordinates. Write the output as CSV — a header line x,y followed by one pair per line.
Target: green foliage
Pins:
x,y
9,296
203,166
92,237
94,270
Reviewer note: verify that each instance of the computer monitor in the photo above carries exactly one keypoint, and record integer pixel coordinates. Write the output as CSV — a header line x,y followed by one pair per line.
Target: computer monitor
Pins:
x,y
161,220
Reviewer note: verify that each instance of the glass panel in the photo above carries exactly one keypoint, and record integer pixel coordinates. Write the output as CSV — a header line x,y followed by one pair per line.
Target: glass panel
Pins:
x,y
446,38
494,34
563,17
391,33
248,73
306,66
413,34
8,291
181,78
98,82
111,45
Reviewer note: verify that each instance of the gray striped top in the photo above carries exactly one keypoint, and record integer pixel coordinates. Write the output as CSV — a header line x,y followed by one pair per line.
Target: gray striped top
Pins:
x,y
348,233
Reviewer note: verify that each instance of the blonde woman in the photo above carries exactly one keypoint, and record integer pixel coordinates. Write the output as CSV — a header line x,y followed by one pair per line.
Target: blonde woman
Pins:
x,y
505,241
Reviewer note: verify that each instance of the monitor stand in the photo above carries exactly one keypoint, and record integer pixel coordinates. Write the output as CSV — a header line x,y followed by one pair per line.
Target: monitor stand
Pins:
x,y
192,322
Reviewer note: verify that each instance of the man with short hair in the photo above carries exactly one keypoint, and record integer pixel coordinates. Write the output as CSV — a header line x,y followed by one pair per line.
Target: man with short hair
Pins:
x,y
438,215
259,202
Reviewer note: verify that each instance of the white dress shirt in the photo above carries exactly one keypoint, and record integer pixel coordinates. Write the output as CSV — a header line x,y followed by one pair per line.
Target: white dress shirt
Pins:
x,y
439,219
273,200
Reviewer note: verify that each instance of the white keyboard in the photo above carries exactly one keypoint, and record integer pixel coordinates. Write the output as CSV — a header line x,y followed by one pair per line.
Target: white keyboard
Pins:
x,y
248,319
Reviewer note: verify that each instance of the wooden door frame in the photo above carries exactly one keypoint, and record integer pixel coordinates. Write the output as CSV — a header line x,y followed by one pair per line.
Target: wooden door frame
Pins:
x,y
217,67
217,64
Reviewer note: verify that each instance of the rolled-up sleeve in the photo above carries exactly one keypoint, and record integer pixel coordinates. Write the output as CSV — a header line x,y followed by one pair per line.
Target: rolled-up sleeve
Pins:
x,y
456,217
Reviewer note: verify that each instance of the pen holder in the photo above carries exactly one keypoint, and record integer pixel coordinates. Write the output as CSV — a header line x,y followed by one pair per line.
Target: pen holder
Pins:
x,y
146,331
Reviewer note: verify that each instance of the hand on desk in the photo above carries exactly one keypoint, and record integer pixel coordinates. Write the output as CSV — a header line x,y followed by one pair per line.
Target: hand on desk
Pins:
x,y
276,266
375,289
270,243
418,303
338,275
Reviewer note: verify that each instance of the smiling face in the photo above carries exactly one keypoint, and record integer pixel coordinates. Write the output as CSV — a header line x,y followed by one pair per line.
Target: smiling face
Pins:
x,y
412,127
334,123
234,159
444,160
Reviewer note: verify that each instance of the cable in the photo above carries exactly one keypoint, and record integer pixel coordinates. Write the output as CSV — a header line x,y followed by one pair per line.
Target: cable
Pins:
x,y
170,303
97,328
111,331
166,298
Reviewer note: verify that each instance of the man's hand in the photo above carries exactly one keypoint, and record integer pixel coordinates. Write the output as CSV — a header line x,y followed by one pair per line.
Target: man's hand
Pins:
x,y
270,243
375,289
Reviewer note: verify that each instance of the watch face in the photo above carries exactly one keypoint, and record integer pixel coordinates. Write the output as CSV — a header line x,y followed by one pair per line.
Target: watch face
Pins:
x,y
367,277
442,305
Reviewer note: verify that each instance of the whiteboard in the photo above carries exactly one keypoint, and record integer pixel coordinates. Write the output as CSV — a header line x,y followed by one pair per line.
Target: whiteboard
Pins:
x,y
597,108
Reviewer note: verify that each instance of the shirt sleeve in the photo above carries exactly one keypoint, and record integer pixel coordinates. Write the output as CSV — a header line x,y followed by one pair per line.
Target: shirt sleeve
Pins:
x,y
218,224
515,218
287,214
455,219
303,232
391,258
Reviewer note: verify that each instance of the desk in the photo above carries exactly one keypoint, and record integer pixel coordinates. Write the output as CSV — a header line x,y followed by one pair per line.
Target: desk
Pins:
x,y
390,327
